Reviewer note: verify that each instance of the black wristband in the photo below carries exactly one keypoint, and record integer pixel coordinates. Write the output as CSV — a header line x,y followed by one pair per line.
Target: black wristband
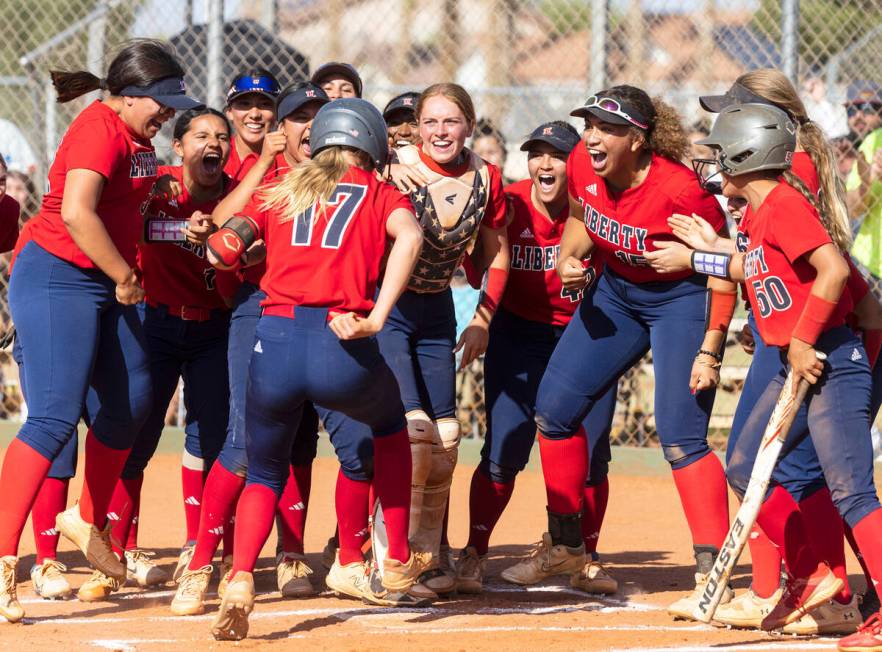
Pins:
x,y
716,356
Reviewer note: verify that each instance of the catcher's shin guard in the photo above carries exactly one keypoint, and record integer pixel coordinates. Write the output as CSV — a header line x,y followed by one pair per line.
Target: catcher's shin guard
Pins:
x,y
427,537
421,432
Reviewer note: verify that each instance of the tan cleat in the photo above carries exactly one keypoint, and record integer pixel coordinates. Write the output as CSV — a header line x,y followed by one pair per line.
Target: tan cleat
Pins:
x,y
141,569
352,579
830,618
225,571
91,541
747,610
189,599
801,596
470,571
593,578
401,577
49,583
292,576
10,608
546,560
184,558
683,608
231,623
98,587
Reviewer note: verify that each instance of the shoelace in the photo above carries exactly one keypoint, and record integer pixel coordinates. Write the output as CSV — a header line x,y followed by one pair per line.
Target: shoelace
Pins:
x,y
298,567
143,556
101,578
191,583
7,579
50,565
873,625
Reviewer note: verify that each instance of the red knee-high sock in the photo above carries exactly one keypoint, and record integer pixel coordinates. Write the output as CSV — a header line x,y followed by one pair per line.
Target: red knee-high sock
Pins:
x,y
229,535
594,501
192,482
292,508
221,492
392,471
351,499
121,510
23,472
257,506
849,536
781,520
103,466
868,534
824,527
487,501
132,539
703,494
765,559
564,467
51,500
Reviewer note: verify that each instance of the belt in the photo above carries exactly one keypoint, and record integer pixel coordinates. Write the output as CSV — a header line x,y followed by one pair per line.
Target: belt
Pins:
x,y
289,311
188,313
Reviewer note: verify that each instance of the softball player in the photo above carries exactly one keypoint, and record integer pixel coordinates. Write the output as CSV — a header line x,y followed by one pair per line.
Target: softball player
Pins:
x,y
534,311
251,109
282,150
626,180
76,279
796,275
459,200
338,80
401,120
319,315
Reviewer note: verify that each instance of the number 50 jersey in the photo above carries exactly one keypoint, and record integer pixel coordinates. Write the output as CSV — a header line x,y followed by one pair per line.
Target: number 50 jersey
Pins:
x,y
329,257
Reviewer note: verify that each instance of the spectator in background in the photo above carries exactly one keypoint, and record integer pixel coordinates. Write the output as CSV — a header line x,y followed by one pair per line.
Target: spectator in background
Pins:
x,y
15,149
863,106
832,118
21,188
846,154
489,143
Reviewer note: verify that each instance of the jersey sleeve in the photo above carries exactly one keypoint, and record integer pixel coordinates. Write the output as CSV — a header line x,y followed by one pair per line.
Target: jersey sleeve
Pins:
x,y
693,199
796,228
496,205
96,146
9,214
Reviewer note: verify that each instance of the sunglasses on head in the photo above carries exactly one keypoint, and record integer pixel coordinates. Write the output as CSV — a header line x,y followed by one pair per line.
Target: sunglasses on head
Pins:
x,y
863,107
612,106
246,84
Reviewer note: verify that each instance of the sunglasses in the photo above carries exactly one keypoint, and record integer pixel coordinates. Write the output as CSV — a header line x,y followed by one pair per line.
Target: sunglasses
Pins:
x,y
864,107
612,106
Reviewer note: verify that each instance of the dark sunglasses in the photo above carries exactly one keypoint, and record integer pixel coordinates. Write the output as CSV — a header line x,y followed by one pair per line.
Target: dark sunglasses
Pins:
x,y
864,107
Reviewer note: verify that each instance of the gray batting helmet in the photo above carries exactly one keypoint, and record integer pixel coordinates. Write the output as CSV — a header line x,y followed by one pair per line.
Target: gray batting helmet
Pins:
x,y
752,137
351,122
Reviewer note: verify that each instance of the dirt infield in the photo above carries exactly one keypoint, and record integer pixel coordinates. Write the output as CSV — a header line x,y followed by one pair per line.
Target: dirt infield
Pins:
x,y
645,542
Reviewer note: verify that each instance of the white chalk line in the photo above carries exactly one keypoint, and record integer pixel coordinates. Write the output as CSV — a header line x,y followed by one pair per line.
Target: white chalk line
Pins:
x,y
730,647
135,595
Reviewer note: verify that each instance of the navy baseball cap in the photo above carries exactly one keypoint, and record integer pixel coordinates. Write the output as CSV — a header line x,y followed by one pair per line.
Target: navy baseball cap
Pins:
x,y
863,92
737,94
265,85
296,95
558,136
404,103
337,69
170,92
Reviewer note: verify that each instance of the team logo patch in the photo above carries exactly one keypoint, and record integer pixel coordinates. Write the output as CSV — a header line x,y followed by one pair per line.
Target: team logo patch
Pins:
x,y
547,131
408,101
527,233
310,93
450,199
592,189
354,133
297,507
856,355
258,348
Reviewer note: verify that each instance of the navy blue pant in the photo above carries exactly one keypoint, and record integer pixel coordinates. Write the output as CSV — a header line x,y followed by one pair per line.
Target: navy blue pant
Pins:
x,y
197,352
517,355
74,334
417,342
609,333
799,472
298,360
838,410
243,324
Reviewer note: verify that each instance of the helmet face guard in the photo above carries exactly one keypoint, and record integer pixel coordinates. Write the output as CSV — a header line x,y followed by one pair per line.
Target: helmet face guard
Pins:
x,y
707,170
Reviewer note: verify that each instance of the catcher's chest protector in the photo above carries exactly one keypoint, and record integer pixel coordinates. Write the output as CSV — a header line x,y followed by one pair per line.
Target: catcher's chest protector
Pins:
x,y
450,210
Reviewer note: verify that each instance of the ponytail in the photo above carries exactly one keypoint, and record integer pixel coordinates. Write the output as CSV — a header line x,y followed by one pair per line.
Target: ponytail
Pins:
x,y
667,137
71,85
310,182
840,236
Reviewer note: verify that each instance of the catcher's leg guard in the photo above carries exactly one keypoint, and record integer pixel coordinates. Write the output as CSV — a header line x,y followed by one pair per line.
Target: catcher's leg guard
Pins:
x,y
422,434
427,537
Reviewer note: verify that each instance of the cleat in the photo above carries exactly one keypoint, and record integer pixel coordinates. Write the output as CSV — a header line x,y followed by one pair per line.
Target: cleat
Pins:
x,y
683,608
352,579
292,576
868,638
830,618
98,587
546,560
470,571
593,578
225,571
141,569
91,541
189,599
329,554
231,623
10,608
398,576
377,593
747,610
184,560
802,595
49,583
869,603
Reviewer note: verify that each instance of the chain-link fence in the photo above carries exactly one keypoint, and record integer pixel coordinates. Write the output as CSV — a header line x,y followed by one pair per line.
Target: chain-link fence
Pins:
x,y
524,61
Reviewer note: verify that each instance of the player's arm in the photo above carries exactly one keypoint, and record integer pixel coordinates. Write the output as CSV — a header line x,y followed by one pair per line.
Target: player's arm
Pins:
x,y
407,236
722,299
225,247
575,246
82,191
832,274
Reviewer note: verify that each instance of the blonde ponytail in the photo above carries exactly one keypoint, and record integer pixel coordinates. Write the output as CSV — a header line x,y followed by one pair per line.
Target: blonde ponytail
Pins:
x,y
840,236
310,182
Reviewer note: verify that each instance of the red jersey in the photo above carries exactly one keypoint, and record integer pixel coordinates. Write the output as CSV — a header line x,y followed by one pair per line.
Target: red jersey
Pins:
x,y
9,214
236,167
331,259
178,273
777,274
533,290
625,224
99,140
280,166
